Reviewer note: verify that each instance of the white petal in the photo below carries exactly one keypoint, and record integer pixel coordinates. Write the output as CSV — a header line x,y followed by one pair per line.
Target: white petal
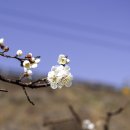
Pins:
x,y
53,86
67,68
25,69
29,72
68,84
54,68
51,74
91,126
1,40
62,56
59,86
37,60
34,66
68,60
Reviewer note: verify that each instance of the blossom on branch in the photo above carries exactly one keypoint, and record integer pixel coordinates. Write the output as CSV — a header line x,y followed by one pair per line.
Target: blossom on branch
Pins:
x,y
60,75
27,73
19,53
30,63
62,60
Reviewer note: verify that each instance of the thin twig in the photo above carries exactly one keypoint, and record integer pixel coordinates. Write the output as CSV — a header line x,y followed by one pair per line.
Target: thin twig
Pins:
x,y
28,98
40,83
76,116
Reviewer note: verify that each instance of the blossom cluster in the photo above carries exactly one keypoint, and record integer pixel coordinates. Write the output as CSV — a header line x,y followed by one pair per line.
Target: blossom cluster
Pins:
x,y
88,125
60,75
29,63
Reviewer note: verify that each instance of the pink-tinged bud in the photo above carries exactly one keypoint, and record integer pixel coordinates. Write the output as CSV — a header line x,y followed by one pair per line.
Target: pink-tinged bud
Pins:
x,y
29,55
6,49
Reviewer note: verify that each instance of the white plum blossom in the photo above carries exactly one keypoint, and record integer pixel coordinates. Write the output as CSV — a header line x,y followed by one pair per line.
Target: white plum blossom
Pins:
x,y
27,73
19,53
53,79
62,60
1,41
34,62
88,125
60,76
30,63
26,64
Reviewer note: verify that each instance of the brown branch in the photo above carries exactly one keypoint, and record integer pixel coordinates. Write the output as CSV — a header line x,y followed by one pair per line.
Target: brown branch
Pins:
x,y
28,85
15,57
111,114
47,123
28,98
40,83
2,90
33,85
76,116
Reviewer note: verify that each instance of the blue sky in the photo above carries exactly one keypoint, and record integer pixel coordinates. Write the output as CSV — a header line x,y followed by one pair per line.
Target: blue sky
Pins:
x,y
95,35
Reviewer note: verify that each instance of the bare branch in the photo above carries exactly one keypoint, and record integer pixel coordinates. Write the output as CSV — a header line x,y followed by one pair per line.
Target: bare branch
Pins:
x,y
28,98
40,83
28,85
76,116
114,113
2,90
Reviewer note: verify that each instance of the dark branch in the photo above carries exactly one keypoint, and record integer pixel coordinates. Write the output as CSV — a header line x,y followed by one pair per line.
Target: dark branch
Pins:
x,y
40,83
27,96
2,90
111,114
28,85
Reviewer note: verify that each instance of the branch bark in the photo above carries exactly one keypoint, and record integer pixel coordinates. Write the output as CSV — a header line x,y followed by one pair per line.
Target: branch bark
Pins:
x,y
109,115
40,83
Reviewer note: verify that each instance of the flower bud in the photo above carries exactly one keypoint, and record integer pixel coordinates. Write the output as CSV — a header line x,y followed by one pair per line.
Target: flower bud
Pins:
x,y
19,53
1,41
29,55
5,49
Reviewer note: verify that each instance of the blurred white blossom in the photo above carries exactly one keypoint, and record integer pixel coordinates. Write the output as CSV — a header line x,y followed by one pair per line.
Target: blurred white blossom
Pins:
x,y
27,73
88,125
